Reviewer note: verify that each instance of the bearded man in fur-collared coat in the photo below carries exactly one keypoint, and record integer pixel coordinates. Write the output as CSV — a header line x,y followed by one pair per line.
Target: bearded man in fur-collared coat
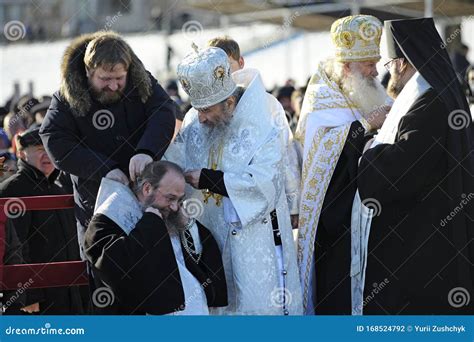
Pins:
x,y
110,118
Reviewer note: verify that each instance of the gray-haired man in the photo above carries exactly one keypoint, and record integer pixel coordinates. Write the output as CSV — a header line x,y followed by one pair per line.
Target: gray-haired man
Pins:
x,y
233,153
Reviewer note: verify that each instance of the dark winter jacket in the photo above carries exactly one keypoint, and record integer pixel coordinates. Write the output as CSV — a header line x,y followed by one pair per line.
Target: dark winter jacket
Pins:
x,y
87,139
45,236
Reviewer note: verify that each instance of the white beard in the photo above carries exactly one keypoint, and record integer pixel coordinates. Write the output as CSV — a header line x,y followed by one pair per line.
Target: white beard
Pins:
x,y
366,93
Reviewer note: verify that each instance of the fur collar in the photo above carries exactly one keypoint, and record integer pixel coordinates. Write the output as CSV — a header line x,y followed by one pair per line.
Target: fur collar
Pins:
x,y
74,85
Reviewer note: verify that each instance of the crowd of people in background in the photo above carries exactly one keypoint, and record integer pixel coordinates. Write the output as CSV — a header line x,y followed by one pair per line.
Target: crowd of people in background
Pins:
x,y
28,171
22,112
291,96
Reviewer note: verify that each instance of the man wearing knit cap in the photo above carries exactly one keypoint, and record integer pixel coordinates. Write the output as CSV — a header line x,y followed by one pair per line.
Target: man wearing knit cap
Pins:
x,y
343,102
233,157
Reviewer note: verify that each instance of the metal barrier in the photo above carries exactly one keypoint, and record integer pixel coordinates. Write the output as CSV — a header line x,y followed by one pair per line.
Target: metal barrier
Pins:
x,y
41,275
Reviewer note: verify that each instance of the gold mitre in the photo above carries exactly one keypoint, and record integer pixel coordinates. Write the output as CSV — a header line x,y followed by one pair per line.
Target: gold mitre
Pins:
x,y
356,38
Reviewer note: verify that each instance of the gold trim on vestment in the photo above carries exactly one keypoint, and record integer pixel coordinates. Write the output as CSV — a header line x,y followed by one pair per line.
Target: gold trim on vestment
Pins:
x,y
214,162
318,166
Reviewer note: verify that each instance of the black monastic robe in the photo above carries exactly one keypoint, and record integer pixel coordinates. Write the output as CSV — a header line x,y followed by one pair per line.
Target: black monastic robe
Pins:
x,y
333,238
141,269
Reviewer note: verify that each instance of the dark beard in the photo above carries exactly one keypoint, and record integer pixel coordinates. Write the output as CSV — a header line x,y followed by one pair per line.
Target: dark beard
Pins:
x,y
395,86
107,97
218,131
176,221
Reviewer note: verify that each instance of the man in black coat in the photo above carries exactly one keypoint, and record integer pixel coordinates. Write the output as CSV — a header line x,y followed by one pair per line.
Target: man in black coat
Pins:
x,y
47,235
148,258
110,118
418,176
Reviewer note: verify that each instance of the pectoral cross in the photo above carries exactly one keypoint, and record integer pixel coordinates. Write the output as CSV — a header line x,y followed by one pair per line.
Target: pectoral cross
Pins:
x,y
207,194
218,199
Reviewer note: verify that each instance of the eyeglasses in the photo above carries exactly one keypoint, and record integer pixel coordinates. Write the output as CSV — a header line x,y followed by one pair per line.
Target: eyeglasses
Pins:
x,y
388,65
171,199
